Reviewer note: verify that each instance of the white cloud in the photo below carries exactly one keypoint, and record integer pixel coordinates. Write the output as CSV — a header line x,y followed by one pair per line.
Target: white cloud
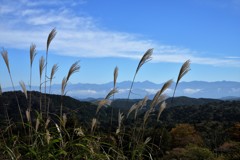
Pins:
x,y
80,36
123,90
191,90
151,91
82,92
154,91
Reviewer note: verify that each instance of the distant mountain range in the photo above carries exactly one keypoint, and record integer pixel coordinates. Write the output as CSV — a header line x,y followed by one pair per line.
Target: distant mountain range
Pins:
x,y
195,89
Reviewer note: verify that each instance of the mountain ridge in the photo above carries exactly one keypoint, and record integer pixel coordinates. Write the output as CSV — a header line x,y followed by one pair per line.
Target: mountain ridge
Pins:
x,y
194,89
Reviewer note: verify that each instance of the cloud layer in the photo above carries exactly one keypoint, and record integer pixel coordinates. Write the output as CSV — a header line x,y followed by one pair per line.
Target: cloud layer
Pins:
x,y
24,22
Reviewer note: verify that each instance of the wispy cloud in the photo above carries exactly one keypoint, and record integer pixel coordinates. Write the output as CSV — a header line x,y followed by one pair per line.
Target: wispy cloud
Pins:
x,y
80,36
191,90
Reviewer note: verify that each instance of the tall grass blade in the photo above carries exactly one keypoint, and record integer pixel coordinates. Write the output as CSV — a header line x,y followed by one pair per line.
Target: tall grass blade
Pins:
x,y
33,54
24,90
73,69
120,118
102,103
161,108
4,54
51,36
41,68
53,72
94,124
111,93
115,75
5,58
184,70
145,58
158,96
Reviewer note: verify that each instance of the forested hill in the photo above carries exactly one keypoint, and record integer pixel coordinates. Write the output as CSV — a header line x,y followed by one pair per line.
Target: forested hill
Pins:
x,y
182,109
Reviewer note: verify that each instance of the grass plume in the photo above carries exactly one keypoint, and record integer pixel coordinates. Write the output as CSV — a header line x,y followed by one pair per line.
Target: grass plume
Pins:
x,y
41,68
33,54
5,58
145,58
53,72
4,54
73,69
184,70
111,93
115,75
120,119
161,108
24,89
51,36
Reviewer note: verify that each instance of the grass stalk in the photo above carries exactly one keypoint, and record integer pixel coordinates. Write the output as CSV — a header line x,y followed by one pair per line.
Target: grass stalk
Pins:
x,y
184,70
145,58
115,75
41,68
33,53
73,69
4,54
53,72
51,36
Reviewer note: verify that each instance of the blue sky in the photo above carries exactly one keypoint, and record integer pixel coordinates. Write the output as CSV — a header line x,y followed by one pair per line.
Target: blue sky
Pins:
x,y
104,34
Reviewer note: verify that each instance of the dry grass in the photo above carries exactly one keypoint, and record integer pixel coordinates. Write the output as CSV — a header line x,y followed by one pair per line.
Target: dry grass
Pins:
x,y
184,70
33,53
4,54
145,58
115,75
51,36
120,119
24,89
161,108
60,134
41,66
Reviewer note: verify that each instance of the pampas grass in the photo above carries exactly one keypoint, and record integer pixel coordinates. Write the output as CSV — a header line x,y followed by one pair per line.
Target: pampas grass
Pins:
x,y
115,75
24,89
67,139
145,58
120,119
158,96
51,36
33,54
41,68
73,69
4,54
102,103
161,108
111,93
135,107
53,72
94,124
184,70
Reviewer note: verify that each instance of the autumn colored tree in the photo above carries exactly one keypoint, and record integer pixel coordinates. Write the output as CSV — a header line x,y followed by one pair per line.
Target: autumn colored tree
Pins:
x,y
185,134
235,132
